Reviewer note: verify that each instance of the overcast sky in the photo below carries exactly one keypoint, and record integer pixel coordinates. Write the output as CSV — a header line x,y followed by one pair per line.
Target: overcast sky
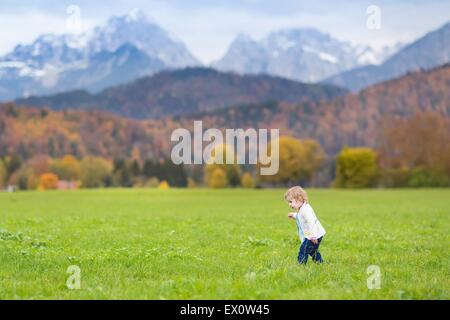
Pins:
x,y
207,26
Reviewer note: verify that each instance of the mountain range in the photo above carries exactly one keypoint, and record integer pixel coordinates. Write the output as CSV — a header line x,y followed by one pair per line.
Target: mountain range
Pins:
x,y
300,54
185,91
430,51
126,48
132,46
353,120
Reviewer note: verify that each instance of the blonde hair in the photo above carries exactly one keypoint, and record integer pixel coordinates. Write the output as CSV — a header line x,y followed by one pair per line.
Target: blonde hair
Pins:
x,y
296,193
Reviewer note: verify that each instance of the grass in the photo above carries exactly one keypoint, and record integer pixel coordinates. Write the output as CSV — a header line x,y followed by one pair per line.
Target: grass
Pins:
x,y
227,244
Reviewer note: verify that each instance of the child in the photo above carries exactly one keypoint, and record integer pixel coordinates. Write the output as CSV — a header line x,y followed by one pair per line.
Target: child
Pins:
x,y
309,228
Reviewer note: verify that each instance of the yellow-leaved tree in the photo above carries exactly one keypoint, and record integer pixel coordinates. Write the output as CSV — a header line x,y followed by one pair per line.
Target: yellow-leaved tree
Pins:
x,y
356,168
95,172
164,185
232,171
68,168
218,179
299,160
247,181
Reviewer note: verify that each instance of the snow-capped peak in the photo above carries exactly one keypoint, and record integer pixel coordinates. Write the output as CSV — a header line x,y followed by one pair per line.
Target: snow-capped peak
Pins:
x,y
304,54
322,55
53,61
369,55
136,14
243,37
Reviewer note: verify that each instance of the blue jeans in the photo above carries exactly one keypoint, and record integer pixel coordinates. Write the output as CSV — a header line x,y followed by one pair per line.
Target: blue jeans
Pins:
x,y
309,249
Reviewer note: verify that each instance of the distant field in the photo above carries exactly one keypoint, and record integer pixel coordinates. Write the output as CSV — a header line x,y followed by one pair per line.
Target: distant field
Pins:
x,y
227,244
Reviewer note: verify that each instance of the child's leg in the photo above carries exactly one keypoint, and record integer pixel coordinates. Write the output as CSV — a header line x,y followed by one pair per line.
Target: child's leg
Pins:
x,y
303,252
315,254
317,257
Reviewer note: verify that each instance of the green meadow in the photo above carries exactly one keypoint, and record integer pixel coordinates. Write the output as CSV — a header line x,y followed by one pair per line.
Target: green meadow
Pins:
x,y
222,244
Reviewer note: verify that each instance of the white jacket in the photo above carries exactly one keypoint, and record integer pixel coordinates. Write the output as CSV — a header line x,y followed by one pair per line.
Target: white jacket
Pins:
x,y
307,223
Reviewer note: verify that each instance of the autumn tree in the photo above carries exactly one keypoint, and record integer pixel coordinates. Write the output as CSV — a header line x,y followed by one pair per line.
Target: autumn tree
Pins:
x,y
313,158
356,168
218,179
136,156
122,175
299,160
232,173
415,148
12,163
152,182
247,181
67,168
95,172
39,164
48,181
218,160
24,178
164,185
191,183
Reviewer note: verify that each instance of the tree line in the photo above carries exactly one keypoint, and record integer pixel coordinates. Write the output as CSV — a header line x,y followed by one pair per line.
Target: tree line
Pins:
x,y
411,152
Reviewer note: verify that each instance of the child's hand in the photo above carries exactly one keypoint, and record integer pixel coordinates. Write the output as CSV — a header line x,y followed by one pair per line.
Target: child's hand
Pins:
x,y
291,215
314,240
